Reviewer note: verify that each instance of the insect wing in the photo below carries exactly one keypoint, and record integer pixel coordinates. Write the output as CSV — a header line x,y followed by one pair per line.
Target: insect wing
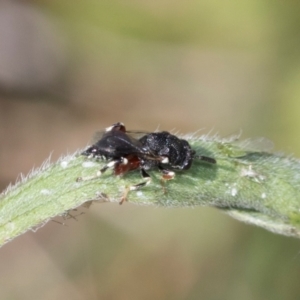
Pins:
x,y
117,143
97,136
126,144
137,134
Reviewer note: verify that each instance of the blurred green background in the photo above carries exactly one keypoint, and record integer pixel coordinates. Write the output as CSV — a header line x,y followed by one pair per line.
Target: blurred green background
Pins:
x,y
69,68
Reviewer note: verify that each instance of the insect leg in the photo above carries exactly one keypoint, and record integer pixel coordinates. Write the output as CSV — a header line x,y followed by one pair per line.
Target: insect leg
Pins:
x,y
166,175
134,187
109,165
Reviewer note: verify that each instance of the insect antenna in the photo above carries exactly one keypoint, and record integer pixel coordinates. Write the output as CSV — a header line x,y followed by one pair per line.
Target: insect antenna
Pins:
x,y
206,159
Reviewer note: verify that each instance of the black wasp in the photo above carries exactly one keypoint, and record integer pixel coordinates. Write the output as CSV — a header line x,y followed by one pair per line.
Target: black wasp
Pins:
x,y
161,150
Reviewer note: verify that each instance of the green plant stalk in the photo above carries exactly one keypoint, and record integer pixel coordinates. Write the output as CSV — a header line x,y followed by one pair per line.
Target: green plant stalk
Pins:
x,y
256,187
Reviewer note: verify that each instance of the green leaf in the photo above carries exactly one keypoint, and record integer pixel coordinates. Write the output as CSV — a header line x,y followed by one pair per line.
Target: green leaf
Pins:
x,y
253,186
